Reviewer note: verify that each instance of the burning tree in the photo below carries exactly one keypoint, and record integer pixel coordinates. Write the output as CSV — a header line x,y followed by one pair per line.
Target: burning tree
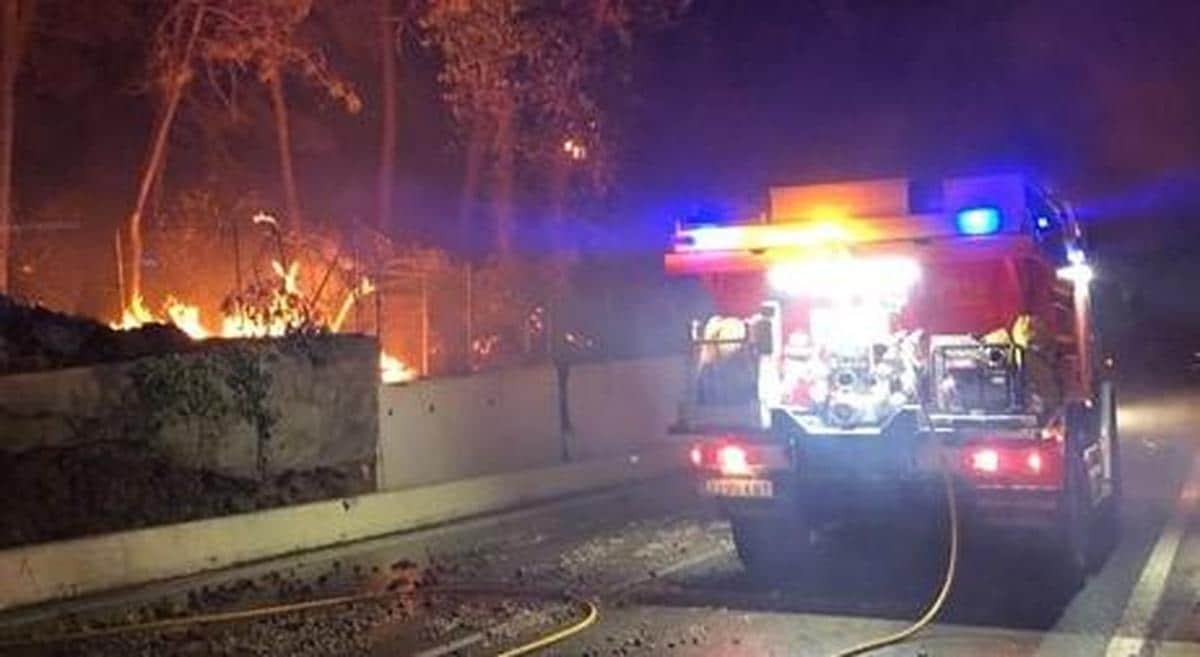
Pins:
x,y
224,39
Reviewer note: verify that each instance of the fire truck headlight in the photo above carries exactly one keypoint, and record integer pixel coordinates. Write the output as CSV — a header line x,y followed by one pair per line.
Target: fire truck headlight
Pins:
x,y
845,278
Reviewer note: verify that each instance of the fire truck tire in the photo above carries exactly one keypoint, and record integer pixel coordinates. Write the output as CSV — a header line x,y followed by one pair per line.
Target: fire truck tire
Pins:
x,y
1071,546
1106,527
767,545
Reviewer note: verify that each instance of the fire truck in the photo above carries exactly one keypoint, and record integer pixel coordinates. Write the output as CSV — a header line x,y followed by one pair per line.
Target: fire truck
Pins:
x,y
876,345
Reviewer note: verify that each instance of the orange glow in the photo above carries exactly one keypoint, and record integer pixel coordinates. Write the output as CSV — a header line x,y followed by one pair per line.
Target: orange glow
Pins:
x,y
762,236
365,287
134,315
281,315
575,150
186,318
393,370
829,214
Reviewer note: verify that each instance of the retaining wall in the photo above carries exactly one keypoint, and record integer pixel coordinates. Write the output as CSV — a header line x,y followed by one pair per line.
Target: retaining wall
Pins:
x,y
207,410
447,429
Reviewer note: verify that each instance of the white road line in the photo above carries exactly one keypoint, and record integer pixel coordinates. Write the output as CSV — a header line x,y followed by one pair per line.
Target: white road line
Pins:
x,y
623,587
659,573
1129,638
453,646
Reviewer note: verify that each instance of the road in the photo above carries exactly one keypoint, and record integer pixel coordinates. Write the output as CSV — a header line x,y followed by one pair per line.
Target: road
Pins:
x,y
660,567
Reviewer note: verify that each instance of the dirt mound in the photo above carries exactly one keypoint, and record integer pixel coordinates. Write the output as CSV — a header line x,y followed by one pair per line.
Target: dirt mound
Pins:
x,y
56,493
34,338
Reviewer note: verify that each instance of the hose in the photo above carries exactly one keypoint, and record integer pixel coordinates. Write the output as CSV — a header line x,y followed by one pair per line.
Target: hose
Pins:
x,y
558,635
308,605
947,581
203,619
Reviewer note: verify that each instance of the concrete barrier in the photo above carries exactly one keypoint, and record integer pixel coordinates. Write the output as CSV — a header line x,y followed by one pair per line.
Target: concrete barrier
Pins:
x,y
449,429
448,449
622,406
50,571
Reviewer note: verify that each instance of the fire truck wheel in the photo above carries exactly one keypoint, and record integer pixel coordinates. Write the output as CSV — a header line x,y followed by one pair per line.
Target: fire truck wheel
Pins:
x,y
1072,545
1106,527
769,545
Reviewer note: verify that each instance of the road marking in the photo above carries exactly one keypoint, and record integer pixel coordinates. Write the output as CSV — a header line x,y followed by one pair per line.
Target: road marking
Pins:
x,y
622,587
638,580
1129,638
453,646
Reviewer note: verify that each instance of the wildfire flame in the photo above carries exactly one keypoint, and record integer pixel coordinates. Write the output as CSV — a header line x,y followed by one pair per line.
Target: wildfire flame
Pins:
x,y
186,318
134,315
393,370
281,315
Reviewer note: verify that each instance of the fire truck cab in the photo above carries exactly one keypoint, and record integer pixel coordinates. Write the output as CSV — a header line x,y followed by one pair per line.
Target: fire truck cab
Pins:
x,y
869,337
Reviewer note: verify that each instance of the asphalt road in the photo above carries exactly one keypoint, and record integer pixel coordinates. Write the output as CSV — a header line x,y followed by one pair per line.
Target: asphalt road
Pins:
x,y
1144,601
661,567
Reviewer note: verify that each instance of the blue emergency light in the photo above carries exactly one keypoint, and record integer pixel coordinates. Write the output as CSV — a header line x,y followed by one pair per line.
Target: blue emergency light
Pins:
x,y
978,221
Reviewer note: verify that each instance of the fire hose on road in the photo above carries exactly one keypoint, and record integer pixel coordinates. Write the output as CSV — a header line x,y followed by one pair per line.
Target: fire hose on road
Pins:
x,y
592,613
947,581
589,609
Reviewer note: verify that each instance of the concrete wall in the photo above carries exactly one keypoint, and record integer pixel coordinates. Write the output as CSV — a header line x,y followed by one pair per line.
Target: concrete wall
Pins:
x,y
320,397
622,406
449,449
447,429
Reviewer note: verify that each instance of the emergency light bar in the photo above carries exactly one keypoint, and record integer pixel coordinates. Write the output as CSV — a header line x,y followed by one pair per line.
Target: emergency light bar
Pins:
x,y
978,221
757,236
845,278
972,221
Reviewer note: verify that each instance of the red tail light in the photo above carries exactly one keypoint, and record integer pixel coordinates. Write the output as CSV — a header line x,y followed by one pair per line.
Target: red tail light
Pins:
x,y
1013,462
730,456
733,460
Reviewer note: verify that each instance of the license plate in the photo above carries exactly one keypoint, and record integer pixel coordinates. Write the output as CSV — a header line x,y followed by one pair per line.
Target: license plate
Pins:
x,y
739,487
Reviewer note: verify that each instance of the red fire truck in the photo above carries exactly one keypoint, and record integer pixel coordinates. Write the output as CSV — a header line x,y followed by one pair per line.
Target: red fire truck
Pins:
x,y
870,338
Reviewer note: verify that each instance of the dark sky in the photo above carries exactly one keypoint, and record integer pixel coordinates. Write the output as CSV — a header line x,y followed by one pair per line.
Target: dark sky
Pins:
x,y
1097,98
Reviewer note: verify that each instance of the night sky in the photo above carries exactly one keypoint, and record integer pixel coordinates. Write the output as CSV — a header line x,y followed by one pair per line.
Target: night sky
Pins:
x,y
1098,99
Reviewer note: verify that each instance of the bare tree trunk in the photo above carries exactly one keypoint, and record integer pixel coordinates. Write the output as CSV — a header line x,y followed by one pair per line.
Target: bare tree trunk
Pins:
x,y
17,18
155,158
387,140
154,163
8,79
284,133
505,176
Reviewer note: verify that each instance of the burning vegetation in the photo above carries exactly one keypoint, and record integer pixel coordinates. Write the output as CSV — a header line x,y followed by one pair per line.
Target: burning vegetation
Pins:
x,y
272,305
